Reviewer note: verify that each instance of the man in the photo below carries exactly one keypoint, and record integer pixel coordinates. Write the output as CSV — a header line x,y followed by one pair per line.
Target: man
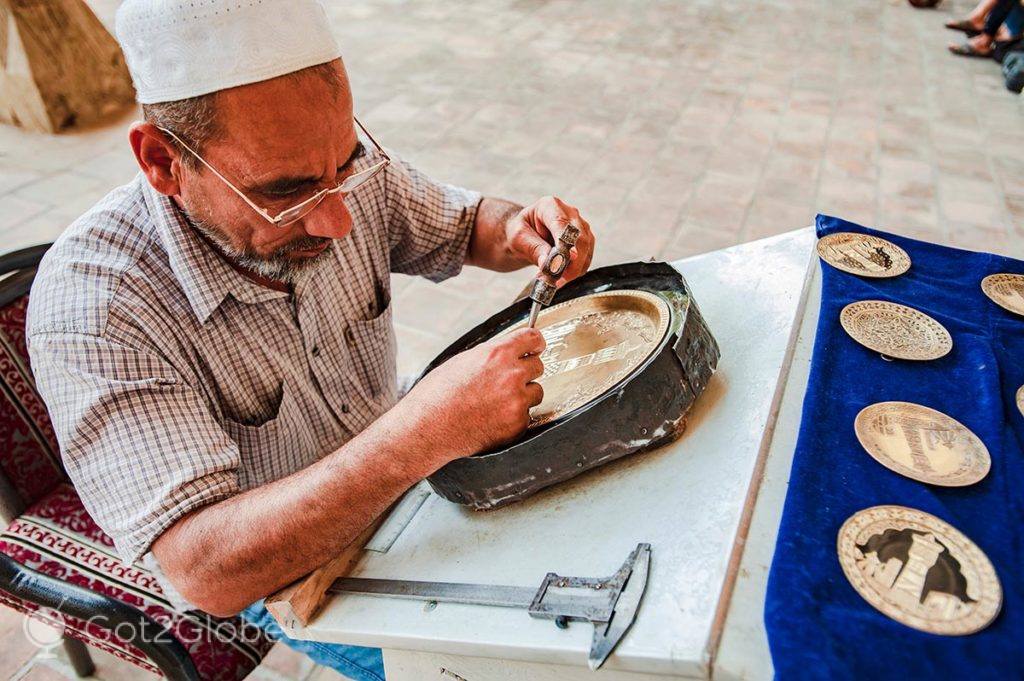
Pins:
x,y
214,340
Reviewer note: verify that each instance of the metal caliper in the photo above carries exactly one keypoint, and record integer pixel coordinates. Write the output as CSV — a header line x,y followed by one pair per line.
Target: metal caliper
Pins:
x,y
609,603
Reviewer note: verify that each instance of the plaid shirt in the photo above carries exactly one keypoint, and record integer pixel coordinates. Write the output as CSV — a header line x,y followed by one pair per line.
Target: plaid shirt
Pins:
x,y
174,382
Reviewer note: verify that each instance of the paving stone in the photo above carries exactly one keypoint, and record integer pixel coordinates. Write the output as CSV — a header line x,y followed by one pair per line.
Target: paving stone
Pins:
x,y
15,210
694,239
416,348
47,671
325,674
12,178
108,667
58,187
17,648
768,217
286,663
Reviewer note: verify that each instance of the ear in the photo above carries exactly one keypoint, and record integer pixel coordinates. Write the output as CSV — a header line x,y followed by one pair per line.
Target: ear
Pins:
x,y
159,160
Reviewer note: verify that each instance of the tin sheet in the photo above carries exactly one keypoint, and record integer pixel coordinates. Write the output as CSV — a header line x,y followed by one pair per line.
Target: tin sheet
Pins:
x,y
593,342
864,255
919,570
895,330
1006,291
922,444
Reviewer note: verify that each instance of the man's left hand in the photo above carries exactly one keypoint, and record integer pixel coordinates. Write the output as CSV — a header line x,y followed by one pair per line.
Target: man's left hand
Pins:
x,y
532,231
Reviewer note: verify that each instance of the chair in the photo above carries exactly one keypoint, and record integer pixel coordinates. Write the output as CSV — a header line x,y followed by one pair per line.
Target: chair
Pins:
x,y
57,564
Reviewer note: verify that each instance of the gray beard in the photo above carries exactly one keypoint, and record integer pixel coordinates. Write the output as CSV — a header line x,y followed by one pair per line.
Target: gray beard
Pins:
x,y
277,266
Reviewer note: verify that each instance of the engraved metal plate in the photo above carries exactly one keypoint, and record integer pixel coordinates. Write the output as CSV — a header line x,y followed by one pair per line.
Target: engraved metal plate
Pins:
x,y
895,330
593,342
868,256
922,444
1006,291
1020,400
919,570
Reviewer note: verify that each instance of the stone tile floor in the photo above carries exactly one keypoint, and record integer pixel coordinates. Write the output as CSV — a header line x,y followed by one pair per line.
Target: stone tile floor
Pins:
x,y
676,127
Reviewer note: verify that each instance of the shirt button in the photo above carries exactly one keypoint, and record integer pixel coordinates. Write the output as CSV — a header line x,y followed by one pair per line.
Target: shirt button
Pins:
x,y
350,337
344,409
315,351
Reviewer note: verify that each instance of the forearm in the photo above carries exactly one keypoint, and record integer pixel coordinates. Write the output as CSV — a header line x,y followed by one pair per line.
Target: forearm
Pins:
x,y
488,245
232,553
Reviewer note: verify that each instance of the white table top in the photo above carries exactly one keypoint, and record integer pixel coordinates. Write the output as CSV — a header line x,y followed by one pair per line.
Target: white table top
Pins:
x,y
690,500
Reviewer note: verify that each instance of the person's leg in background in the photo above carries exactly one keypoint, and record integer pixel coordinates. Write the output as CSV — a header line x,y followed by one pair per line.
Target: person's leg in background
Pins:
x,y
975,21
354,662
1014,23
981,45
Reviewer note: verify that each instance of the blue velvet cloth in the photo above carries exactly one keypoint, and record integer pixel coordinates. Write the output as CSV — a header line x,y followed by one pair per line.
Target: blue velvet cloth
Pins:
x,y
818,626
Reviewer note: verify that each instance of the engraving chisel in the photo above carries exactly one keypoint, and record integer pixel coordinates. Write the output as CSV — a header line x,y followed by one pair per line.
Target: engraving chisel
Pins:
x,y
554,264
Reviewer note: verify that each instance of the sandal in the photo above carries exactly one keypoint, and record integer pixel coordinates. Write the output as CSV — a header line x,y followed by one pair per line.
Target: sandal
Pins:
x,y
967,50
963,25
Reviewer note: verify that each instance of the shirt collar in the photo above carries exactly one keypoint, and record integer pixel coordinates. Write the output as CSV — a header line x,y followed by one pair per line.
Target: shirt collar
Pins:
x,y
204,276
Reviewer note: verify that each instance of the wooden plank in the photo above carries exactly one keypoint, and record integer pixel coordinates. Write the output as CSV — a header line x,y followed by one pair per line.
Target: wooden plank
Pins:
x,y
60,66
296,604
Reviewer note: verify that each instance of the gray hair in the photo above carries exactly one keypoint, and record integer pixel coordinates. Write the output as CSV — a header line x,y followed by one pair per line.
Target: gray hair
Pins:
x,y
195,119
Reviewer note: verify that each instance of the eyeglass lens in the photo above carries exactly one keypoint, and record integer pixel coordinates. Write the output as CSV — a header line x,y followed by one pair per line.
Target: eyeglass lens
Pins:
x,y
348,184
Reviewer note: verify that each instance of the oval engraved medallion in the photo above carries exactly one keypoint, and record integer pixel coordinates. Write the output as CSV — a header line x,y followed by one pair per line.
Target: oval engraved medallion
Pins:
x,y
593,342
867,256
1006,291
923,444
1020,400
895,330
919,570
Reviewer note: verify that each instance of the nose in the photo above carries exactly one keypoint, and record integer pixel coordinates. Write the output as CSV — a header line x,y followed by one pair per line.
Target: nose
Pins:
x,y
330,219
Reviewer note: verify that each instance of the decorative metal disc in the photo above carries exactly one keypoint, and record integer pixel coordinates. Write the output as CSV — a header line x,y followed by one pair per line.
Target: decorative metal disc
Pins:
x,y
868,256
895,330
922,444
593,342
1006,291
919,570
1020,400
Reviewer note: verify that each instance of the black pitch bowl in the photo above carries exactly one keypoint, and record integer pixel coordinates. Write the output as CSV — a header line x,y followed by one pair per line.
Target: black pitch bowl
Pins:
x,y
644,410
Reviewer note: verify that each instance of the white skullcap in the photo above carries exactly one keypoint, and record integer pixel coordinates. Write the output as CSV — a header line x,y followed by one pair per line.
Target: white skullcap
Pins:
x,y
177,49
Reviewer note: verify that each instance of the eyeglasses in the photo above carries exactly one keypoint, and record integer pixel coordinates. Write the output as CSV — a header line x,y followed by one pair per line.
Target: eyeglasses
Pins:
x,y
301,210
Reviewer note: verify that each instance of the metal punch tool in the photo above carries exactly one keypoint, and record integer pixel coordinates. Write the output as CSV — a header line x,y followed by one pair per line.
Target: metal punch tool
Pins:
x,y
554,264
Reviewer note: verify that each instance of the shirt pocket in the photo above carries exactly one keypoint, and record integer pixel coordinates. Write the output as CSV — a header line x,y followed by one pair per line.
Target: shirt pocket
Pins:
x,y
373,350
273,449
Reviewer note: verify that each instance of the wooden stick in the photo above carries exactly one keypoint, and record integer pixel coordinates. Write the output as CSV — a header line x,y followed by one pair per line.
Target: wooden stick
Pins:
x,y
296,604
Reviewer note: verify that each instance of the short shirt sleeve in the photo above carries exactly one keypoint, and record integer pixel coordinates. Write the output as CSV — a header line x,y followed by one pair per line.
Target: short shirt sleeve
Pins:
x,y
137,441
429,223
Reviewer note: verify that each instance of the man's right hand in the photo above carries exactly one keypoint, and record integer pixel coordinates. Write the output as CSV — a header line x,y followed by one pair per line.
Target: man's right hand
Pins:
x,y
480,398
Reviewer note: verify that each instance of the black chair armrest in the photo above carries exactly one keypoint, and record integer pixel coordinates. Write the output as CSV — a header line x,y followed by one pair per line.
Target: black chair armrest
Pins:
x,y
165,651
22,258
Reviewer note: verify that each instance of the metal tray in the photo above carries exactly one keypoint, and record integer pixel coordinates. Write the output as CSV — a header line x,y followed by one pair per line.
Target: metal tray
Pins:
x,y
639,405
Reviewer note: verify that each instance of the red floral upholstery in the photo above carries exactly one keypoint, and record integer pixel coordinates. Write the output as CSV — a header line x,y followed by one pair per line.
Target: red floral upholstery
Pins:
x,y
29,455
57,537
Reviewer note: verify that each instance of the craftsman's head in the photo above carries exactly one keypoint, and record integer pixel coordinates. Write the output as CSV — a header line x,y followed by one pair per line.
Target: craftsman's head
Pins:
x,y
277,133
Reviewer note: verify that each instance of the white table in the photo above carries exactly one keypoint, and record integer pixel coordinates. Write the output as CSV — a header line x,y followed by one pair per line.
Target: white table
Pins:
x,y
708,503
